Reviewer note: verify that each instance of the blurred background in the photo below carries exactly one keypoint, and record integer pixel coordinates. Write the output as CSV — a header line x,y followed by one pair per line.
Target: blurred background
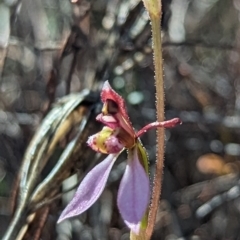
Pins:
x,y
51,48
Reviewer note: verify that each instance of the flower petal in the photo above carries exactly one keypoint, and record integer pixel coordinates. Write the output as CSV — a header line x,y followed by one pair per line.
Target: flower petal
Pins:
x,y
90,188
105,141
92,143
117,123
113,145
166,124
109,93
114,113
134,191
108,120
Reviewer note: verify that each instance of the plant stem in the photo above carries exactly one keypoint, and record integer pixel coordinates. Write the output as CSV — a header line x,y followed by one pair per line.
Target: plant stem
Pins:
x,y
158,65
140,236
154,8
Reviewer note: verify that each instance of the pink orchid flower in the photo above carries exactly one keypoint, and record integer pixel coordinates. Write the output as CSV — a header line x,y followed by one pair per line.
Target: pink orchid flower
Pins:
x,y
117,135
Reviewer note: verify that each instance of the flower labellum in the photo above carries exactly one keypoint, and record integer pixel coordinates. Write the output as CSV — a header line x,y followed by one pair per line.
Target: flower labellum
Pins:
x,y
118,134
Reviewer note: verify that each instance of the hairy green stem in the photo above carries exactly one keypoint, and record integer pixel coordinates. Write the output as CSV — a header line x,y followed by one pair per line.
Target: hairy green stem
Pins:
x,y
154,9
158,65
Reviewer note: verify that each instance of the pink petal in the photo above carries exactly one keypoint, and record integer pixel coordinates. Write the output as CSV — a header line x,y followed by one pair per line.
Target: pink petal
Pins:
x,y
166,124
113,145
119,119
108,120
105,141
134,192
90,188
92,142
125,125
109,93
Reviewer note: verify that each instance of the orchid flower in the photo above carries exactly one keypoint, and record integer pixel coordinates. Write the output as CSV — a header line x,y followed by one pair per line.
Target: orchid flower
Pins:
x,y
118,135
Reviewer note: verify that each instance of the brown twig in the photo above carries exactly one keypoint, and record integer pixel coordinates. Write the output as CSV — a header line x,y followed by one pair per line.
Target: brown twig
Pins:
x,y
41,223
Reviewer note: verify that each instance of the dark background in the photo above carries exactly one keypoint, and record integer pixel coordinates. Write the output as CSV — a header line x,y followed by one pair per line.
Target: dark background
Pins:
x,y
49,48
